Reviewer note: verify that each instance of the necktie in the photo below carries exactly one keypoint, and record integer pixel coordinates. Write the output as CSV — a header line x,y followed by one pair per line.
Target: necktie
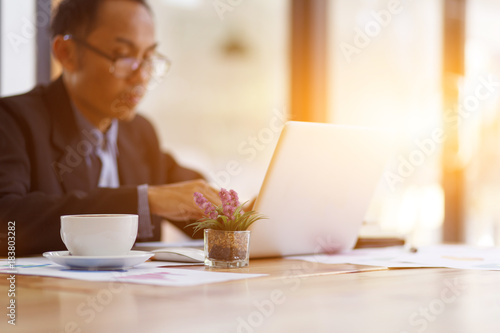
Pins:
x,y
108,176
94,163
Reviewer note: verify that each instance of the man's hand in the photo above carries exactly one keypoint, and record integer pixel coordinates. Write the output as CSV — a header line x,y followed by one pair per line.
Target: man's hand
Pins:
x,y
175,202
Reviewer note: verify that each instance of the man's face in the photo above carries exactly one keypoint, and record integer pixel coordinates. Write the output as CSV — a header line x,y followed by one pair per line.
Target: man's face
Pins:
x,y
122,29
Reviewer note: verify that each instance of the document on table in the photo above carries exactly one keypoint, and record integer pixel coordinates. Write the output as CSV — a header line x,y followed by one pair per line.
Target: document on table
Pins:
x,y
154,273
456,256
451,256
151,246
384,257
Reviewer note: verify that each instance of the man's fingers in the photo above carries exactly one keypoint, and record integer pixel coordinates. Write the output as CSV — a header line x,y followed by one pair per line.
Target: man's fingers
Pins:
x,y
186,212
210,193
176,201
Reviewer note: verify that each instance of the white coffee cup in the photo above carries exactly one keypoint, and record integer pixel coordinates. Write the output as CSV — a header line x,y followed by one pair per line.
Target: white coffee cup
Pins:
x,y
99,234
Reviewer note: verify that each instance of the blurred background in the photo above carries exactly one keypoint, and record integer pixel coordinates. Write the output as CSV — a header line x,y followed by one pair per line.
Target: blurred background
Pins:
x,y
428,69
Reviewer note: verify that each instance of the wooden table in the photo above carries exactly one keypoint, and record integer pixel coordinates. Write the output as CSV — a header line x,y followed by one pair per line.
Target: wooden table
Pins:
x,y
296,296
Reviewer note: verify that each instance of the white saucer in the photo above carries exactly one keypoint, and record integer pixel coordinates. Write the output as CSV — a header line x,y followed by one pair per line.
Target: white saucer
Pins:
x,y
64,258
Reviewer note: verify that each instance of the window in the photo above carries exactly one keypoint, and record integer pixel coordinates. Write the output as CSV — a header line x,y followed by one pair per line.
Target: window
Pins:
x,y
221,106
18,45
480,125
386,72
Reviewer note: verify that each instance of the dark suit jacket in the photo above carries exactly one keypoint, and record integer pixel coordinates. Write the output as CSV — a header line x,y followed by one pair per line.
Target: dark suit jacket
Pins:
x,y
43,173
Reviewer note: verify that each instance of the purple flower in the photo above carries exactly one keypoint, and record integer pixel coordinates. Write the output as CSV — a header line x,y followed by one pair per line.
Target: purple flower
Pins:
x,y
234,197
206,205
223,217
230,202
229,211
224,195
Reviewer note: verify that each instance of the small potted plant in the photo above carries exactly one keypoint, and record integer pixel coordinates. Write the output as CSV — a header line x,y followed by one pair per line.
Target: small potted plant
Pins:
x,y
226,237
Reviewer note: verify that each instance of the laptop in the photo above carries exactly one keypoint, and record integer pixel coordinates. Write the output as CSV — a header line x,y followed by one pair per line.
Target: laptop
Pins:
x,y
318,188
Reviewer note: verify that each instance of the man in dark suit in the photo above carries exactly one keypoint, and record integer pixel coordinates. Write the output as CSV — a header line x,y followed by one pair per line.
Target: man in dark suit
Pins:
x,y
77,146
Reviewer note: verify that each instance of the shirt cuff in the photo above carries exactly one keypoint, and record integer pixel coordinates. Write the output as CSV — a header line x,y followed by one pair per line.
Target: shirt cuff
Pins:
x,y
145,226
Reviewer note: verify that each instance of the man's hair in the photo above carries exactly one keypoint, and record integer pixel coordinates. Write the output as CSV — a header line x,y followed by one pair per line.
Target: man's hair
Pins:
x,y
78,17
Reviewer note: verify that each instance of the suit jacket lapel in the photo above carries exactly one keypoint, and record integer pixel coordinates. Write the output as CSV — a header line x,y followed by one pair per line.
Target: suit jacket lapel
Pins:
x,y
70,165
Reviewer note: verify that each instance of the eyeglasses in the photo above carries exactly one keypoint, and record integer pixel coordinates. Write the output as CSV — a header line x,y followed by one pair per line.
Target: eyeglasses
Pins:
x,y
156,65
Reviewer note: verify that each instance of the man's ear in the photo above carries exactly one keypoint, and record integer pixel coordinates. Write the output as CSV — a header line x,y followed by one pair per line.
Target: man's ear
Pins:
x,y
64,51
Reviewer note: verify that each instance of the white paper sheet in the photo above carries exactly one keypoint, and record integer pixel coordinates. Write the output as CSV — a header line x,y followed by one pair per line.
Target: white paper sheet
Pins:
x,y
146,273
150,246
384,257
456,256
451,256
